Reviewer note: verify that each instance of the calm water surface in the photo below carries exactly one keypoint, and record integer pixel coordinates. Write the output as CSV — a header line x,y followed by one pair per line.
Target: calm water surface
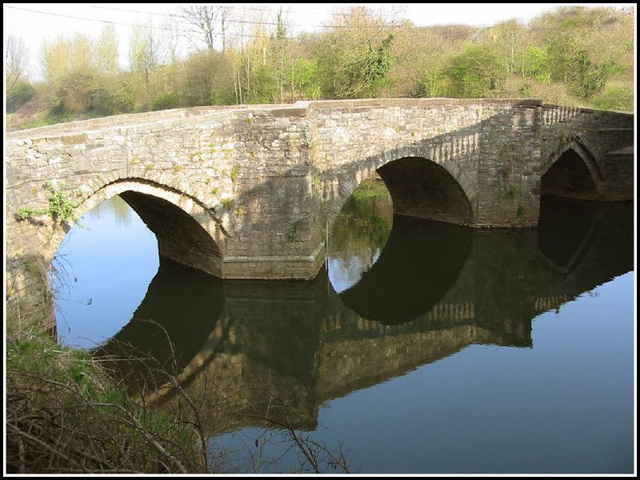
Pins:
x,y
420,348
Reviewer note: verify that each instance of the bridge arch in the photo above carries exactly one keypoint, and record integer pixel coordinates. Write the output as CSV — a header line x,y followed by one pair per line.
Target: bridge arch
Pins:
x,y
572,172
186,231
419,187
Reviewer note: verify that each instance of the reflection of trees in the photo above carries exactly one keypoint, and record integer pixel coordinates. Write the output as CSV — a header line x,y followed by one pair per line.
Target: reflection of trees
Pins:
x,y
122,211
360,232
363,225
114,206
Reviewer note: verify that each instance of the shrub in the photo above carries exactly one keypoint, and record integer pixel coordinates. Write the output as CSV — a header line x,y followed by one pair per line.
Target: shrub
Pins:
x,y
615,97
19,95
165,101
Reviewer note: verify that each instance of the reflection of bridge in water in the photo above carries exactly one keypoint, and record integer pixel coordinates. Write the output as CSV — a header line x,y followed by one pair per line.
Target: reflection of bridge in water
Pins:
x,y
302,342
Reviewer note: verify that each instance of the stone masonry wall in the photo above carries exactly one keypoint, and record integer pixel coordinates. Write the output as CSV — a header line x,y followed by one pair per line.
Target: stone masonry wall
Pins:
x,y
598,133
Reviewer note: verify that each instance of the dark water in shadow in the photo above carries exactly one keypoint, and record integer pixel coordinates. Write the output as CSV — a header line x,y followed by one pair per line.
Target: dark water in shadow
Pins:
x,y
424,348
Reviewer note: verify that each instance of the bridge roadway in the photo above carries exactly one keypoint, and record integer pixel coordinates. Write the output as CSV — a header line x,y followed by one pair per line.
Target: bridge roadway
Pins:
x,y
249,192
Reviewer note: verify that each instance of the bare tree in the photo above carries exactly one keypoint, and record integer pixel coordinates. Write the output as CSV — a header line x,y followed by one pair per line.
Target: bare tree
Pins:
x,y
226,14
204,18
15,58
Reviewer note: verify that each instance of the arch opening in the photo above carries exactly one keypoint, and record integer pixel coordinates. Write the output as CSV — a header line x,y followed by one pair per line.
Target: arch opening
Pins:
x,y
422,188
127,231
389,267
569,177
101,272
180,238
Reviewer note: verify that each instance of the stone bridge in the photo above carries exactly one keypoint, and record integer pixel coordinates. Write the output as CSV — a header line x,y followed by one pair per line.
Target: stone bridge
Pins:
x,y
251,192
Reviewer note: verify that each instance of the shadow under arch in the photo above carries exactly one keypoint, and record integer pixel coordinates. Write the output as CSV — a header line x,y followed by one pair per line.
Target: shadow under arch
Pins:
x,y
572,173
186,232
418,265
422,188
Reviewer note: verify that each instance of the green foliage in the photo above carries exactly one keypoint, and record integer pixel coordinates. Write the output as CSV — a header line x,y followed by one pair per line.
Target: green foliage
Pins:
x,y
60,205
616,97
292,227
475,73
165,101
234,173
572,62
19,95
356,70
305,78
371,188
572,54
207,79
535,64
61,208
433,82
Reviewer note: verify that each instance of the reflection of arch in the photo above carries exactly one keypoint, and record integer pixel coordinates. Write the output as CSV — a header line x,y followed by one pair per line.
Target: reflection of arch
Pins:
x,y
572,232
181,305
417,267
572,172
564,229
187,233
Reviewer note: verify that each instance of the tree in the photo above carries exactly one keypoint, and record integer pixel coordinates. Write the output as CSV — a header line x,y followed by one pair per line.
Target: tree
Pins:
x,y
355,58
208,79
15,62
143,51
71,73
204,18
304,79
476,72
106,57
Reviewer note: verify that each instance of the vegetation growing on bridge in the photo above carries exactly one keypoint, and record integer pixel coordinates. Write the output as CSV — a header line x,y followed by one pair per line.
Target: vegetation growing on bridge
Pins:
x,y
574,56
61,208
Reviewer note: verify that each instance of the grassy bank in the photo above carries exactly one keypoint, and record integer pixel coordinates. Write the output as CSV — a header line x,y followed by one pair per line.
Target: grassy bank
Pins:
x,y
66,414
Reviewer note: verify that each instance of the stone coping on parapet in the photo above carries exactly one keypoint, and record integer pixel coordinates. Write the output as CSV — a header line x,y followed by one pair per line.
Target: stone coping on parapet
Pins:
x,y
586,110
420,102
147,118
300,108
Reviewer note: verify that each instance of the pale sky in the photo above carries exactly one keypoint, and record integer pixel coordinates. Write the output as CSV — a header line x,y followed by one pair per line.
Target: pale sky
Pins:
x,y
49,20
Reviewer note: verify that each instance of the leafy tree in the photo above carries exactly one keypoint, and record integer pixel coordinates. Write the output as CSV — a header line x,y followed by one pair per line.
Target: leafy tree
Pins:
x,y
476,72
106,52
535,64
305,78
355,61
208,79
570,62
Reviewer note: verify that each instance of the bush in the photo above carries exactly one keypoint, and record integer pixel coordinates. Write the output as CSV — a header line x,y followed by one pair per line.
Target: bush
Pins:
x,y
476,72
19,95
615,97
165,101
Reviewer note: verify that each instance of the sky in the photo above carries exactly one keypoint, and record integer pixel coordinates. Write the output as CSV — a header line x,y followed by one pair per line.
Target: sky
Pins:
x,y
35,22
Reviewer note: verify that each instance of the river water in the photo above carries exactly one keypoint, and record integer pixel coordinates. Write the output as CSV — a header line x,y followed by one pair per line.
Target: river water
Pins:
x,y
420,348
